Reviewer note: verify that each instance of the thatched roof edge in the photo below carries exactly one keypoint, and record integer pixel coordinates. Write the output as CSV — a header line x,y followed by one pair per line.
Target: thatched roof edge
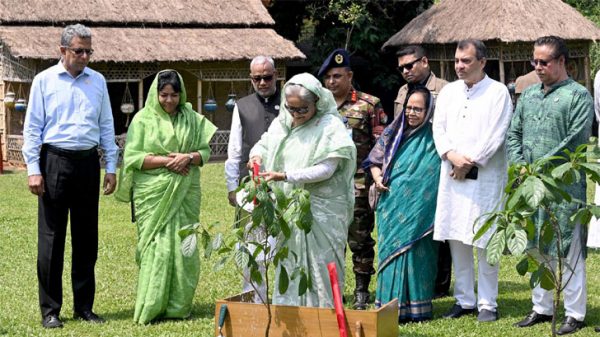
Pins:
x,y
508,21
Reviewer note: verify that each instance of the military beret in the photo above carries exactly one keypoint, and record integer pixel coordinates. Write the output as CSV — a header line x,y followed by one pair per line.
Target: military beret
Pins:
x,y
338,58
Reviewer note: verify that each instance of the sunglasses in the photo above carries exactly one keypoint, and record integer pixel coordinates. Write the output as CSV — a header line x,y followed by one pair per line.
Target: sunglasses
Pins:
x,y
543,63
409,65
266,78
300,111
414,110
80,51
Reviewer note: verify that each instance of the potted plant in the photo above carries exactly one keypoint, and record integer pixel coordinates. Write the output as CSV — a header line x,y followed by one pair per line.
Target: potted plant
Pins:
x,y
537,188
275,215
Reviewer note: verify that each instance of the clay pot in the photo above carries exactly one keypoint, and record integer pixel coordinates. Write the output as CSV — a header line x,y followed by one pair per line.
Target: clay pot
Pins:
x,y
21,105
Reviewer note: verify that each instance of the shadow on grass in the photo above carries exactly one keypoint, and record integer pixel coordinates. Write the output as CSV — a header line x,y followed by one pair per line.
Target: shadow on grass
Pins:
x,y
203,310
199,311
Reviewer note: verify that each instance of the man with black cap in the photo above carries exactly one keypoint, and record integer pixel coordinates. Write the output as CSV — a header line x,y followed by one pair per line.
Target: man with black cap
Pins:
x,y
364,118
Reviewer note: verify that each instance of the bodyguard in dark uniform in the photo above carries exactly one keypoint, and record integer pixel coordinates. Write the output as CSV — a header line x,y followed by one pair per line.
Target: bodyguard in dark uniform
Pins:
x,y
364,118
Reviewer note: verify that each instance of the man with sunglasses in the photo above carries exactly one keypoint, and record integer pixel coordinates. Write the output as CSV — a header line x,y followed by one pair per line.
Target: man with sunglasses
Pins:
x,y
252,116
68,117
364,118
414,67
550,117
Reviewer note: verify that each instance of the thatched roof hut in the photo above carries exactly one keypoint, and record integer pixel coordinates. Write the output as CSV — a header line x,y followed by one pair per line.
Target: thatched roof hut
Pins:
x,y
209,41
508,28
199,13
143,45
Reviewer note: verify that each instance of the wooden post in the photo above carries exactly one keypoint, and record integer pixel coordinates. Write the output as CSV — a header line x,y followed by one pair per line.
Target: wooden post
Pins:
x,y
586,70
140,94
501,66
502,75
200,96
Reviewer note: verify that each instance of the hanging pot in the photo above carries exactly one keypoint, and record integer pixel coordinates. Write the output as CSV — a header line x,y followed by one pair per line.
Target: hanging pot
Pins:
x,y
21,105
9,99
511,87
230,104
127,108
210,105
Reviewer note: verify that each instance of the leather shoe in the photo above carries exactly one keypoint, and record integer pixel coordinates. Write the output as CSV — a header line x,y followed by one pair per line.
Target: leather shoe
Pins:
x,y
597,329
569,325
487,315
457,311
88,315
533,318
361,300
52,321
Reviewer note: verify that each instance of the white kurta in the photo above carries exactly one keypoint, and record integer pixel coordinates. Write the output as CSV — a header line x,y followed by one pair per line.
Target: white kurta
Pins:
x,y
473,122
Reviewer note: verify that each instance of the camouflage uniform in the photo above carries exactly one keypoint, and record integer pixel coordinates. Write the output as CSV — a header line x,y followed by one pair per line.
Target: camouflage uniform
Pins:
x,y
364,117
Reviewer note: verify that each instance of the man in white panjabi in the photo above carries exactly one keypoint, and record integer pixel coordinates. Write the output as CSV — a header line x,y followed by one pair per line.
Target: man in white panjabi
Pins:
x,y
470,121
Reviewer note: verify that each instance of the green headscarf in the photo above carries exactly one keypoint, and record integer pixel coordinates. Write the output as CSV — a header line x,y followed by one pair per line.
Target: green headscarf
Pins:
x,y
325,104
154,132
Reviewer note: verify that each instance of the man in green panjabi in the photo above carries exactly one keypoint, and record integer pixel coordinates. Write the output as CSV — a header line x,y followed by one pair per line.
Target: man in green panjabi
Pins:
x,y
167,142
550,117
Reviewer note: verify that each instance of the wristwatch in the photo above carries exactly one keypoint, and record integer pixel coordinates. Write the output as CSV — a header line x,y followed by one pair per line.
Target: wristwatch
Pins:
x,y
191,156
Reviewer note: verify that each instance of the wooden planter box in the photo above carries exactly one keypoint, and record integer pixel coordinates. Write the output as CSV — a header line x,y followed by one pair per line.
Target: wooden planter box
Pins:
x,y
247,319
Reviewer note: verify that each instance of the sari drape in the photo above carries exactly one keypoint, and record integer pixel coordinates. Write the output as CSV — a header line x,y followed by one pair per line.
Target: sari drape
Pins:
x,y
284,148
164,203
407,253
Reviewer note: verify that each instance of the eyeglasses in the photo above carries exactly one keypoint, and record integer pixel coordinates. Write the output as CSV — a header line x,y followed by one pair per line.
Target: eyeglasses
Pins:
x,y
409,65
80,51
543,63
300,111
266,78
414,109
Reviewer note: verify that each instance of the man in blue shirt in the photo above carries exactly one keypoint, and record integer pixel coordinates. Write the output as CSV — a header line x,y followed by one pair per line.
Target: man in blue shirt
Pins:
x,y
68,117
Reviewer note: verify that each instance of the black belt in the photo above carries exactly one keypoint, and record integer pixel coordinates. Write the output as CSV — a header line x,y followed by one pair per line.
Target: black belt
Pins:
x,y
73,154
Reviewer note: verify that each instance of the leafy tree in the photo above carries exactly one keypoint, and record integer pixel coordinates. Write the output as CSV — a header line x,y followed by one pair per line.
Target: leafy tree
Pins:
x,y
274,215
591,10
361,26
533,189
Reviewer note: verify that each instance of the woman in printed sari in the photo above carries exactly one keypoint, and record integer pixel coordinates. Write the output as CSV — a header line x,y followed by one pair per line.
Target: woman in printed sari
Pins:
x,y
167,142
308,147
405,168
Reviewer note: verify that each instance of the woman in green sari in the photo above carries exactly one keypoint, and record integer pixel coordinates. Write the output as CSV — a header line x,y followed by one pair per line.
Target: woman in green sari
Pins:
x,y
167,142
405,168
308,147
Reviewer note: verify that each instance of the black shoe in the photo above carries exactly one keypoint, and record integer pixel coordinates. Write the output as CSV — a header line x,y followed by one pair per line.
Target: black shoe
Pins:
x,y
533,318
361,292
88,315
457,311
52,321
569,325
361,300
597,329
487,315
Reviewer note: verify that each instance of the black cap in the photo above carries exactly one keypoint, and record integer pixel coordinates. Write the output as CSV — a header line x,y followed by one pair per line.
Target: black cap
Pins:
x,y
338,58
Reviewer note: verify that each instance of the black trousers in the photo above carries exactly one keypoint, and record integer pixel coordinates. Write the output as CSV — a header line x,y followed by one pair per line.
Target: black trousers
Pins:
x,y
444,269
72,187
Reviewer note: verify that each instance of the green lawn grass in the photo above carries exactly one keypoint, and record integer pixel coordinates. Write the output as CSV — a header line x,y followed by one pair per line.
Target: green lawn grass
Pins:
x,y
116,273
